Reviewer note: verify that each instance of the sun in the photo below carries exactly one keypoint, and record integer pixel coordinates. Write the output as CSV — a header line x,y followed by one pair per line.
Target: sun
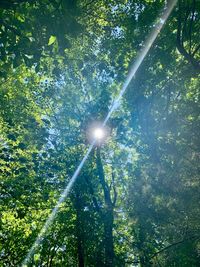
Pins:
x,y
98,133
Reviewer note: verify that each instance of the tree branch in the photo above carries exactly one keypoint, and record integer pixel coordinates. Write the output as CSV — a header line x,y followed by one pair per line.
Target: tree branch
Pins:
x,y
174,244
180,44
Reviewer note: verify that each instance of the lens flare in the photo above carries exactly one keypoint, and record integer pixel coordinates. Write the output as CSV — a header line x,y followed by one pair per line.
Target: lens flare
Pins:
x,y
99,133
96,131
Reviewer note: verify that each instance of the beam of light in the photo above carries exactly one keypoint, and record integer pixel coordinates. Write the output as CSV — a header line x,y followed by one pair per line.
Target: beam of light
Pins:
x,y
142,54
147,45
62,198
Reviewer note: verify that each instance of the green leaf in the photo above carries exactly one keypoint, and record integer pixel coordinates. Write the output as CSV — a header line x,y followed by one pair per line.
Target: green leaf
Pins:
x,y
52,40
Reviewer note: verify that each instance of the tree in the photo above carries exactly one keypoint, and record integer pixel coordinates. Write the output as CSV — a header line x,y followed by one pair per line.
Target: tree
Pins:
x,y
136,201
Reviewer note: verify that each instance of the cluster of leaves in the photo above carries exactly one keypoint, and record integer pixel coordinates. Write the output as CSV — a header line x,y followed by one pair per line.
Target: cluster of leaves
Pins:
x,y
136,201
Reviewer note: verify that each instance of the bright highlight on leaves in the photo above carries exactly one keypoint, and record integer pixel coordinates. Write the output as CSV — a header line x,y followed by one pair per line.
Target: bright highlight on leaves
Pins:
x,y
52,40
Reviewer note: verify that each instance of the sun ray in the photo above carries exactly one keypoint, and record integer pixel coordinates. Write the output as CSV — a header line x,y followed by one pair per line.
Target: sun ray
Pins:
x,y
98,133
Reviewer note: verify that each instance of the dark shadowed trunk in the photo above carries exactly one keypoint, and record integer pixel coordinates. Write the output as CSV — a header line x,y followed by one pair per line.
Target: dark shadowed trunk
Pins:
x,y
107,215
79,232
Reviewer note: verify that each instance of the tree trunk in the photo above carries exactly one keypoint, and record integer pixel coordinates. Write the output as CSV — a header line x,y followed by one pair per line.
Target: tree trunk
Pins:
x,y
80,253
107,215
108,233
79,232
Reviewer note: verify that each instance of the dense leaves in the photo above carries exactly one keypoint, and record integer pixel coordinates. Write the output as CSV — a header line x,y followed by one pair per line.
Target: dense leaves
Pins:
x,y
136,201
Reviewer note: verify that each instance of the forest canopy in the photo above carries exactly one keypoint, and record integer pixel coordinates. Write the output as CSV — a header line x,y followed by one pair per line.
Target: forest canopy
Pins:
x,y
136,201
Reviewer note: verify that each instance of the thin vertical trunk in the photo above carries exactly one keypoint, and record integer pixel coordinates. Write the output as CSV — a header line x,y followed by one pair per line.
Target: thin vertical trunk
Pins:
x,y
79,232
80,253
107,215
108,232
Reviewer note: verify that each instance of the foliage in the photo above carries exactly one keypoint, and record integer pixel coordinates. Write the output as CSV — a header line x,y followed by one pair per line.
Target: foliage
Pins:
x,y
136,201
